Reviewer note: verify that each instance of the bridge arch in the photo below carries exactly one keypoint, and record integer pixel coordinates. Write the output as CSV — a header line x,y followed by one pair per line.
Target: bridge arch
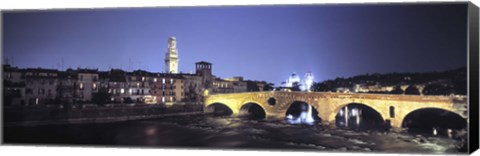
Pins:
x,y
252,110
219,109
295,109
433,121
358,116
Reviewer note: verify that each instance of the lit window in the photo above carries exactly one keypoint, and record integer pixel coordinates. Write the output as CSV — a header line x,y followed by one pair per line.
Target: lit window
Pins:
x,y
143,78
163,80
138,84
163,99
171,80
94,86
154,79
122,91
36,101
81,85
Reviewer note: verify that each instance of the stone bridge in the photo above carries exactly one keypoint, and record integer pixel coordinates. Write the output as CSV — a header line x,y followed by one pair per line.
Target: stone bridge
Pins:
x,y
328,104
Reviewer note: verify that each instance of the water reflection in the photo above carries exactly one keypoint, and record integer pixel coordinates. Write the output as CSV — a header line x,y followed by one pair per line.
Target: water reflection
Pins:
x,y
359,117
306,117
224,132
302,113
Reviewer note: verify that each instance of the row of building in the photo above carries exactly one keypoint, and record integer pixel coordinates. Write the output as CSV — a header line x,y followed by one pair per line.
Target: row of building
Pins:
x,y
34,86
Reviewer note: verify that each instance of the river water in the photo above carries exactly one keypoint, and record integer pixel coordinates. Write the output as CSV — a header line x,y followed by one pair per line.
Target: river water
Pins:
x,y
206,131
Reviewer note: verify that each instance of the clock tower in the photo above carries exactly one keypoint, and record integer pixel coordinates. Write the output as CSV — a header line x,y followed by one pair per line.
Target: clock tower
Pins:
x,y
171,57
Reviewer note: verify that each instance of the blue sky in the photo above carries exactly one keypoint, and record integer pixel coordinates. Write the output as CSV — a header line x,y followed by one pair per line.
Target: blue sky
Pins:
x,y
257,42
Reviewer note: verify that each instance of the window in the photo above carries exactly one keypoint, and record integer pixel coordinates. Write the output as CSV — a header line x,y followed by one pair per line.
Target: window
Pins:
x,y
154,79
163,80
122,91
41,91
81,86
392,112
94,86
81,77
171,80
138,84
143,78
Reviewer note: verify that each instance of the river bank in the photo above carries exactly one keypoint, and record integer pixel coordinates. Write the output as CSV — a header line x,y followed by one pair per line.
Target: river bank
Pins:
x,y
31,116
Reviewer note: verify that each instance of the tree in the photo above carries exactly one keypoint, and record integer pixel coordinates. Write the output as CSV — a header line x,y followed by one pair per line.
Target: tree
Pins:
x,y
268,87
295,86
101,97
437,89
252,86
412,90
397,90
127,100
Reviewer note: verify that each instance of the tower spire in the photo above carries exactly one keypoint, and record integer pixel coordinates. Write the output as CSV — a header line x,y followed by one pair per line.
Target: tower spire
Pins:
x,y
171,57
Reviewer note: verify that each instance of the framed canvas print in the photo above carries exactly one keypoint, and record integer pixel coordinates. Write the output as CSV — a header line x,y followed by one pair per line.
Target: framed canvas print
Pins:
x,y
356,78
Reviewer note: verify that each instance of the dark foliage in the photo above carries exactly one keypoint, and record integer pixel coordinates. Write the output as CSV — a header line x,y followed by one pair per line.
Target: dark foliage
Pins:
x,y
436,83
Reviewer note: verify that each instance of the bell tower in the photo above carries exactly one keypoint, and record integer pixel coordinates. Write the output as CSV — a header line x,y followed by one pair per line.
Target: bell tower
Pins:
x,y
171,57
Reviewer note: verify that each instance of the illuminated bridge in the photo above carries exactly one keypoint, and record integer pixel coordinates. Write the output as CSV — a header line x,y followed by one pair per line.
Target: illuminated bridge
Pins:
x,y
395,111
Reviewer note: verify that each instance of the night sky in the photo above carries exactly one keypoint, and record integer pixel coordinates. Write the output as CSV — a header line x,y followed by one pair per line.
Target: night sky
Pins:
x,y
257,42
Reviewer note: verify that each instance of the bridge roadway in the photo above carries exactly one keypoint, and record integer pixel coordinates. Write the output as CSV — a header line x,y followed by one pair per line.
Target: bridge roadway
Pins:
x,y
391,107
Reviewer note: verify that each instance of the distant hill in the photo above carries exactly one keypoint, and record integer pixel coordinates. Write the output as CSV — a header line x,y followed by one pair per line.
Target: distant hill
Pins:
x,y
436,83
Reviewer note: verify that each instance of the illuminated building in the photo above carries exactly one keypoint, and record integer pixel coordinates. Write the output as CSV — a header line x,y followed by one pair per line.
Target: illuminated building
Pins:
x,y
88,82
294,80
41,86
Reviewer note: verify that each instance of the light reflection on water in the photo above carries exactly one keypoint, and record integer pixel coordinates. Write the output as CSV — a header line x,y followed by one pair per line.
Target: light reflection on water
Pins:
x,y
304,118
